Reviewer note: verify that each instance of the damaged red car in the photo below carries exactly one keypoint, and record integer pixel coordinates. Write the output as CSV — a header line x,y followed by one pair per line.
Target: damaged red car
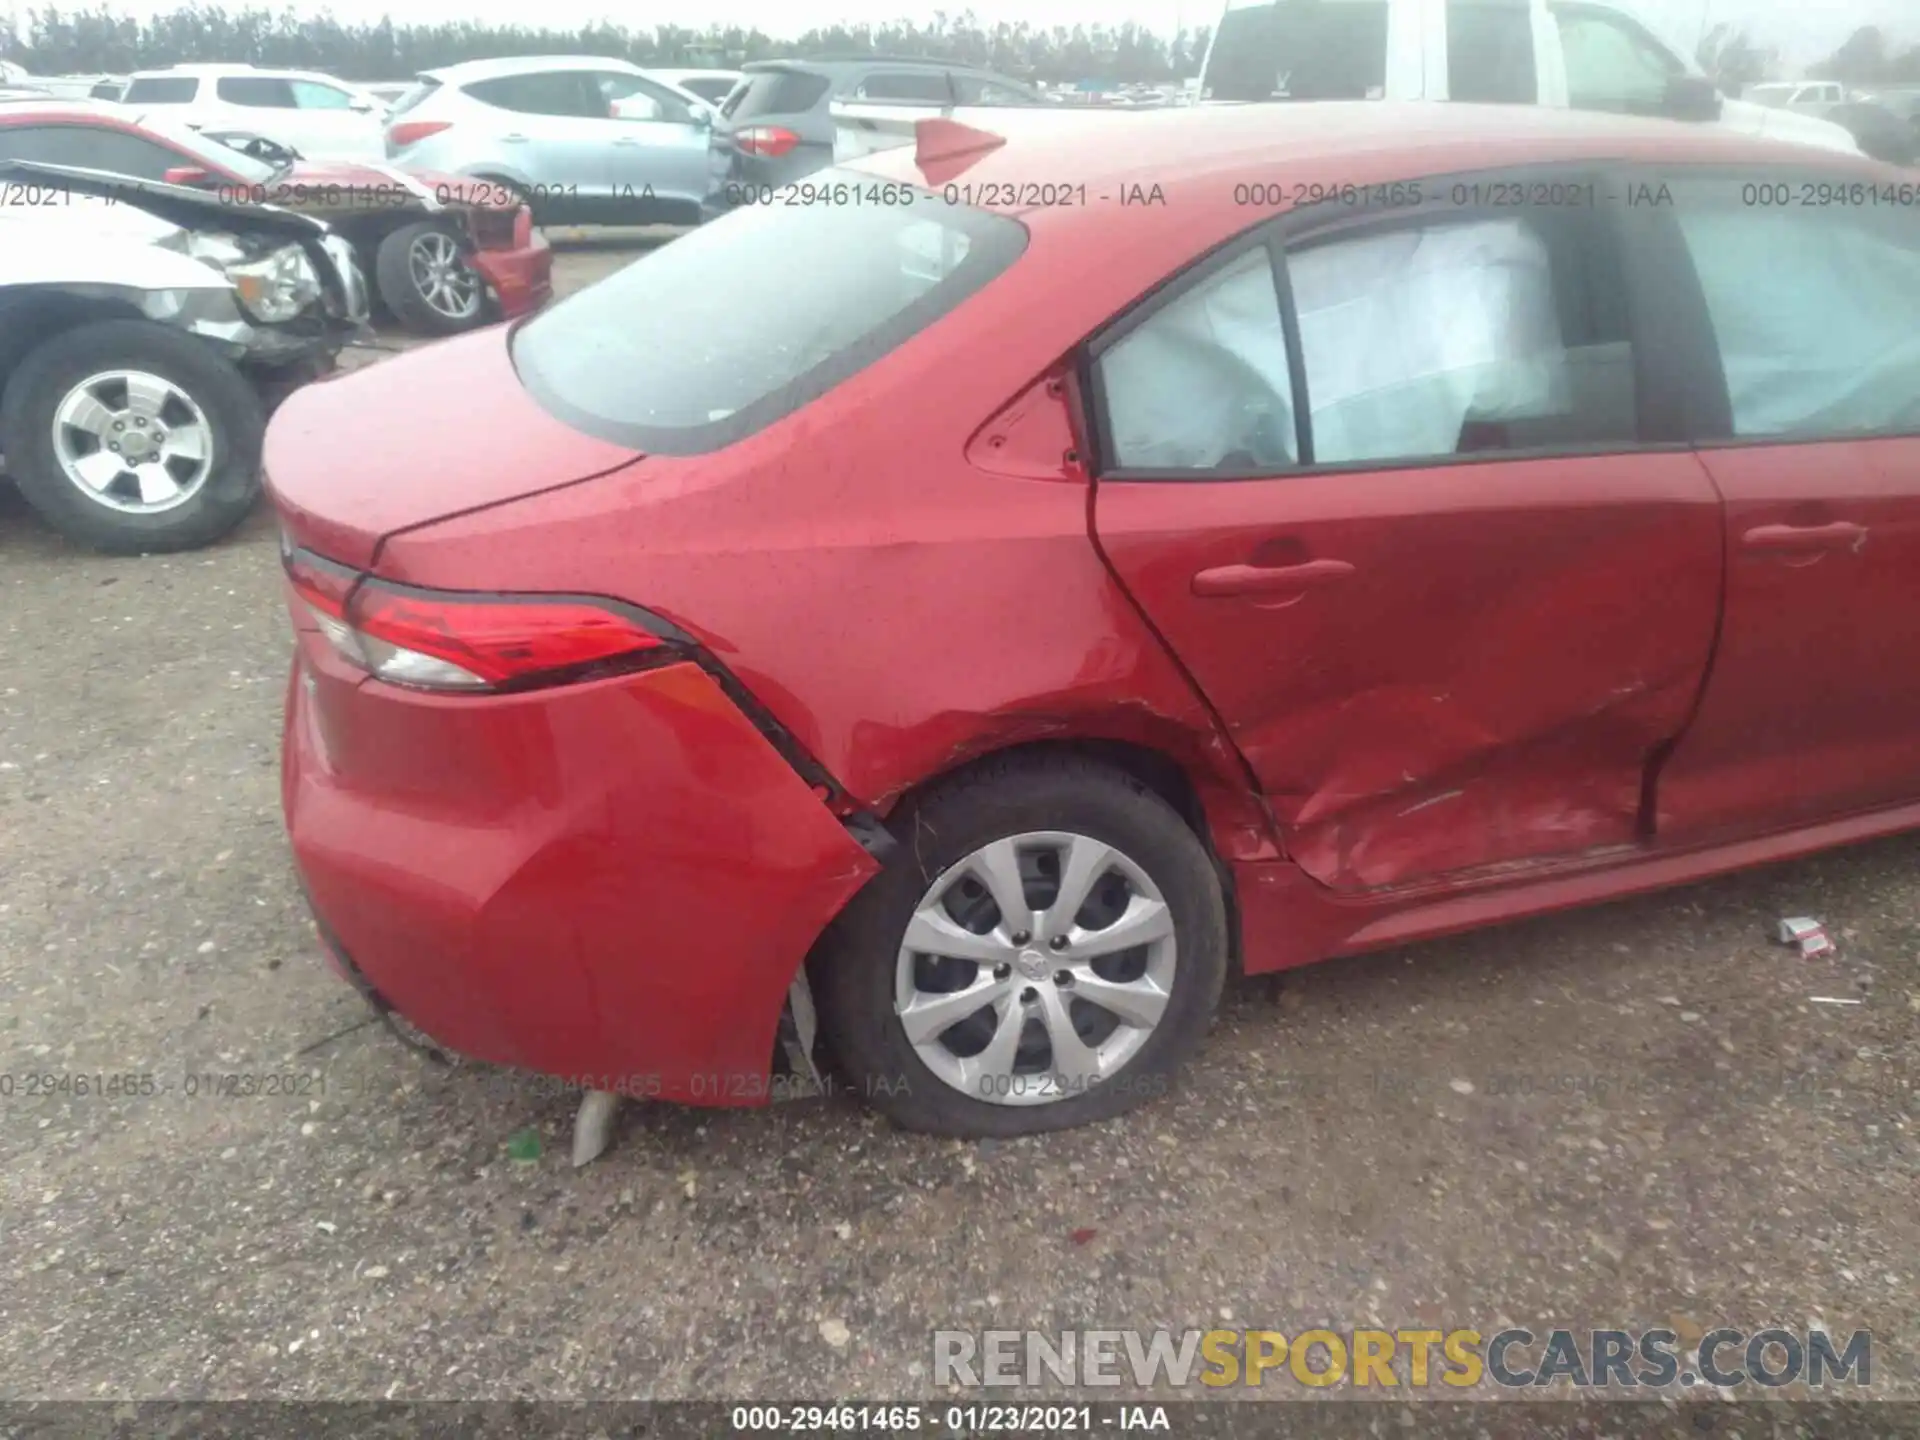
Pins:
x,y
1066,572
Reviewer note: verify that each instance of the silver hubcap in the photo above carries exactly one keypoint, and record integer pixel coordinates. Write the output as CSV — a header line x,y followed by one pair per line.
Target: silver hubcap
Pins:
x,y
133,441
442,277
1035,969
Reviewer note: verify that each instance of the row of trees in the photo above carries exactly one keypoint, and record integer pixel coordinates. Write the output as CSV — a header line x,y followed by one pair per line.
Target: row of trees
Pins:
x,y
1868,58
57,42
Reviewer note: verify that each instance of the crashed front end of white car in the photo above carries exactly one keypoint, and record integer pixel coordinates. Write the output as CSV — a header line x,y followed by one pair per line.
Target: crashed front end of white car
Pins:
x,y
285,293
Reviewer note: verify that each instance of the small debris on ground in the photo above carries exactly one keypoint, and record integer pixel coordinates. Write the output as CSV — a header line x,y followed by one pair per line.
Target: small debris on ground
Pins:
x,y
1805,934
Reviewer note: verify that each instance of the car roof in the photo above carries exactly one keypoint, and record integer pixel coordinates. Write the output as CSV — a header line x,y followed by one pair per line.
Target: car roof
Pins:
x,y
270,72
468,70
1198,154
848,64
31,108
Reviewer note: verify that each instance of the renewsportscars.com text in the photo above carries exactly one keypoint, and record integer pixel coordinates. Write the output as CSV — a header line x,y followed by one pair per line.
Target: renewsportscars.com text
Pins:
x,y
1459,1359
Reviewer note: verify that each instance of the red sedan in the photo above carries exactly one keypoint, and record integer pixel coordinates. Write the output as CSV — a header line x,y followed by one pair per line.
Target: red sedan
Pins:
x,y
998,602
438,247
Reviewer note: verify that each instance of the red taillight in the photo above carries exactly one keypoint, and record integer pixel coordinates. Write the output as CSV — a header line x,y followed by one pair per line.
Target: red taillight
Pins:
x,y
447,640
772,141
411,132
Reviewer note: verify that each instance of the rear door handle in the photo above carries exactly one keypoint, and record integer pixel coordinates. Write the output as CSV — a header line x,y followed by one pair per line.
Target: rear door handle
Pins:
x,y
514,139
1229,580
1840,535
626,140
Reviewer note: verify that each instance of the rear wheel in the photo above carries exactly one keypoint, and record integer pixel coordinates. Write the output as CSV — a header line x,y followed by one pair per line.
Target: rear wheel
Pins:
x,y
1046,952
129,436
426,282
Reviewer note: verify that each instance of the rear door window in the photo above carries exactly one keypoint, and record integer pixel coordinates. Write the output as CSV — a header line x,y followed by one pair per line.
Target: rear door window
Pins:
x,y
707,340
258,92
1470,334
775,92
162,90
543,92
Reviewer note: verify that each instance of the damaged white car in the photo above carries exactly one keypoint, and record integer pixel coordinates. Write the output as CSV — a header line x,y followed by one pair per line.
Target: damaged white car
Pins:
x,y
145,332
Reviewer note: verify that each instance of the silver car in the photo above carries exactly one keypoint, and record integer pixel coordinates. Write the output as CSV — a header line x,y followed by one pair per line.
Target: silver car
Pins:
x,y
582,139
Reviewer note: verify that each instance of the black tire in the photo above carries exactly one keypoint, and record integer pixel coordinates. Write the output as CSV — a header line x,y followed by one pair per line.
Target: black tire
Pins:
x,y
393,276
853,971
233,411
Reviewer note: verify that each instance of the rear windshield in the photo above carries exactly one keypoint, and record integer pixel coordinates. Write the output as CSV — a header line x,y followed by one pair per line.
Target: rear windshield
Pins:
x,y
709,338
1299,50
775,92
162,90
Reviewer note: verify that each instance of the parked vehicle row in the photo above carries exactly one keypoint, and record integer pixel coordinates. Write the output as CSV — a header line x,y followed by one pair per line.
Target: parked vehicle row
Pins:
x,y
1308,579
445,253
304,110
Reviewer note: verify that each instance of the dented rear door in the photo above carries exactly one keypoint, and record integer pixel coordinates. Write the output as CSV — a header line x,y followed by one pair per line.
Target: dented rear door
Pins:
x,y
1451,620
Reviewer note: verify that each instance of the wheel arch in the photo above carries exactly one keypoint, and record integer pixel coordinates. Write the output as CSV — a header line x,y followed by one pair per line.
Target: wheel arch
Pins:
x,y
1217,814
31,317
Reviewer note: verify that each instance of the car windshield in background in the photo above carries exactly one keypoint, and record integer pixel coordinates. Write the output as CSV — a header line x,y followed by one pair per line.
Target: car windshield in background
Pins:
x,y
709,339
775,92
1300,50
209,151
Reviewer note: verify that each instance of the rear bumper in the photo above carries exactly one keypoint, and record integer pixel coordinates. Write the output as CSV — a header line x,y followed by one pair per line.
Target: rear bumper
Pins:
x,y
612,882
521,279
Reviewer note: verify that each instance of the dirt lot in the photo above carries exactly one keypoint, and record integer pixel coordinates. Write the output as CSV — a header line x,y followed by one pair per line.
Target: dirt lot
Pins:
x,y
1625,1117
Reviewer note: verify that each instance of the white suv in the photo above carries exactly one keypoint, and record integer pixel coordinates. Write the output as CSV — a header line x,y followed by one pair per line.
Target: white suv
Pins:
x,y
321,117
1570,54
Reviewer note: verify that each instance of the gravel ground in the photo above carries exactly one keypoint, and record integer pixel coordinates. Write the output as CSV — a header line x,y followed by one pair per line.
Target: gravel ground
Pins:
x,y
1630,1116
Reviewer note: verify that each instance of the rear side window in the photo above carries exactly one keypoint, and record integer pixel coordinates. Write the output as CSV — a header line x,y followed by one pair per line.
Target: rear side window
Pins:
x,y
1300,50
260,92
312,95
1203,384
1837,351
912,87
162,90
707,340
1490,52
775,92
711,88
545,92
422,88
980,90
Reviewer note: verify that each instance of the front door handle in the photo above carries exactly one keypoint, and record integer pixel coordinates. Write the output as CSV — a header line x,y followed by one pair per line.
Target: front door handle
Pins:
x,y
514,139
1229,580
626,140
1840,535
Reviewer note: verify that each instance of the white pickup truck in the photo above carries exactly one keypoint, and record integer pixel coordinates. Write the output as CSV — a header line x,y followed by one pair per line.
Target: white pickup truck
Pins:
x,y
1577,54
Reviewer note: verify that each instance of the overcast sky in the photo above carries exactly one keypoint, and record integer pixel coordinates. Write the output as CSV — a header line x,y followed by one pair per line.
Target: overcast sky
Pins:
x,y
1802,30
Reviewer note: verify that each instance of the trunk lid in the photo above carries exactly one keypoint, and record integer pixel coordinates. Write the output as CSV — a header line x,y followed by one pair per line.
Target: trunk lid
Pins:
x,y
440,431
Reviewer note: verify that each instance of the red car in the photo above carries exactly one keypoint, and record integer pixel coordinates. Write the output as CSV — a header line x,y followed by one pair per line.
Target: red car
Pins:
x,y
1061,571
443,251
